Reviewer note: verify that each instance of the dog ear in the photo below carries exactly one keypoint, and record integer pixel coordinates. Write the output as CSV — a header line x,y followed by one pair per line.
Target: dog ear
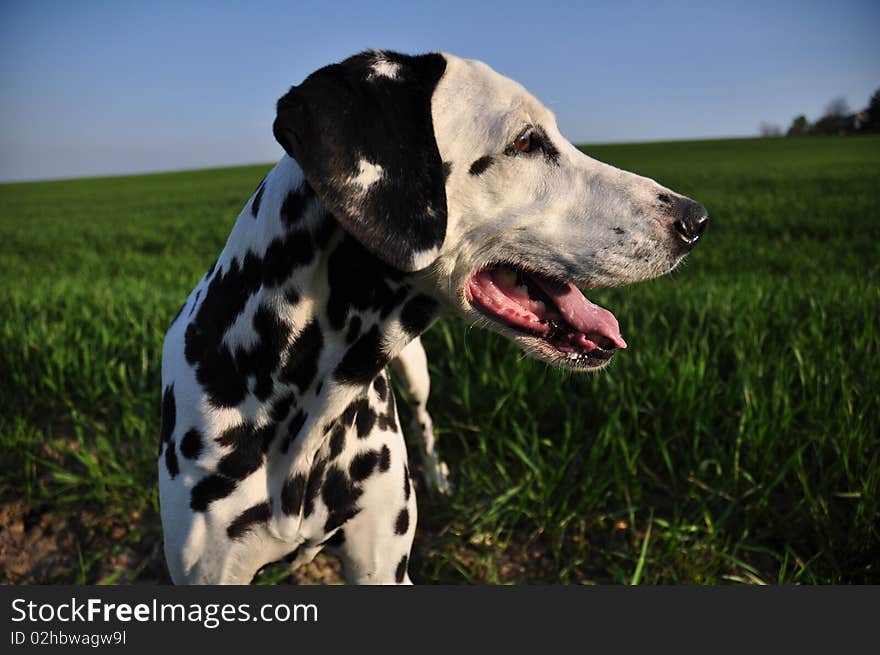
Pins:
x,y
363,134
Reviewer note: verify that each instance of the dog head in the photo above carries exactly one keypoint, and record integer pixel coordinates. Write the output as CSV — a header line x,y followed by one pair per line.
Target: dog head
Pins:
x,y
440,165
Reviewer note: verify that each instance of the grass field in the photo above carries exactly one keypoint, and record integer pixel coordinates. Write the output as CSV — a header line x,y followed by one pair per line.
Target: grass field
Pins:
x,y
736,440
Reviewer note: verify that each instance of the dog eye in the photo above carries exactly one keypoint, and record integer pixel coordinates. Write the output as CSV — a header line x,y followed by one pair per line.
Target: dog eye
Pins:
x,y
525,141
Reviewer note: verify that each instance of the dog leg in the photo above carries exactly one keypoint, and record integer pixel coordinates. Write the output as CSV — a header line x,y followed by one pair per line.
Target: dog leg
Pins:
x,y
374,545
411,366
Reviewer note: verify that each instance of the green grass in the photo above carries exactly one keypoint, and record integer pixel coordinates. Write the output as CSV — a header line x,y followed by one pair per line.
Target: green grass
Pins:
x,y
737,439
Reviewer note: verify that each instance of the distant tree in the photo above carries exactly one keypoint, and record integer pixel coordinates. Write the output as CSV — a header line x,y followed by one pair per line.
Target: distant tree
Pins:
x,y
769,130
837,119
837,107
799,126
871,121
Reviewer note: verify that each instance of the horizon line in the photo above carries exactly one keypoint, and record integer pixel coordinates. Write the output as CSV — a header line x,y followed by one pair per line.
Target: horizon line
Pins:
x,y
245,164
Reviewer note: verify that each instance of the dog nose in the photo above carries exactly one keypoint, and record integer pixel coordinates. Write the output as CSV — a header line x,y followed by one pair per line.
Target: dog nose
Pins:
x,y
690,221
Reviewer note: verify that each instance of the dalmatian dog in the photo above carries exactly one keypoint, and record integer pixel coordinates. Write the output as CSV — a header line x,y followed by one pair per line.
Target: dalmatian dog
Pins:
x,y
412,186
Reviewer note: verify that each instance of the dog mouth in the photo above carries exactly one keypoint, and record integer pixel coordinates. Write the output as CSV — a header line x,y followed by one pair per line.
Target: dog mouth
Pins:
x,y
554,317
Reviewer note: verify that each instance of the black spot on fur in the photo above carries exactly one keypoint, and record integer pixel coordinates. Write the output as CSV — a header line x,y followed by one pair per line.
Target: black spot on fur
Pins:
x,y
347,417
395,301
295,204
325,229
295,426
337,441
263,358
358,280
210,488
481,165
247,519
302,357
318,387
401,525
297,423
284,255
169,416
384,459
362,465
400,573
354,329
340,496
336,540
291,295
248,444
447,170
363,360
215,366
281,408
292,494
380,386
406,485
417,314
191,444
255,205
387,420
171,459
619,230
316,477
366,419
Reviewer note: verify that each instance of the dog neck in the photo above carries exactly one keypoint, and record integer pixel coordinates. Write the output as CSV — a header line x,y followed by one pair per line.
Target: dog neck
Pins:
x,y
298,318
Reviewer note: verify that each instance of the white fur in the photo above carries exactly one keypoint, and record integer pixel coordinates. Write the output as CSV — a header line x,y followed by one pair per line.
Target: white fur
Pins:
x,y
384,68
423,258
368,174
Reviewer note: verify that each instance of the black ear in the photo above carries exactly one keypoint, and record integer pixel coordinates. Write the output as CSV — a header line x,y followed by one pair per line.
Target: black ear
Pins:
x,y
363,134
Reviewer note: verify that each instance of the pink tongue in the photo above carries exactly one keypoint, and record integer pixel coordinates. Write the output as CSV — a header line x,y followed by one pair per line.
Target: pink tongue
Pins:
x,y
499,299
579,312
496,290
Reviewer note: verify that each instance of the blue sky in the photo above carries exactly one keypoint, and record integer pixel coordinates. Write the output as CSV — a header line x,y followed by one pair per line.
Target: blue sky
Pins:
x,y
93,88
